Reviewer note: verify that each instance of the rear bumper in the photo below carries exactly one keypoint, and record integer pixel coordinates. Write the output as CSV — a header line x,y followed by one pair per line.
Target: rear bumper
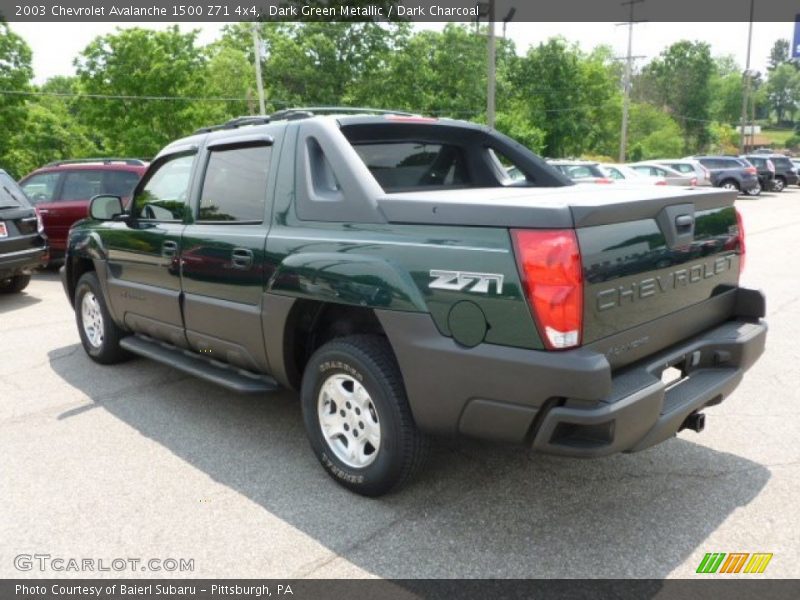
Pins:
x,y
641,410
572,403
22,261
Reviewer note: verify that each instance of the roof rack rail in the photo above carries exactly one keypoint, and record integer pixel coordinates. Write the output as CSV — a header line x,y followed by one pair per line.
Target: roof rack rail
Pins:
x,y
106,161
300,112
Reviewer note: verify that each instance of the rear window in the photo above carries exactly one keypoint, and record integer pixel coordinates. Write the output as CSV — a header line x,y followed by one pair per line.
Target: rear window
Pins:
x,y
782,163
411,165
10,194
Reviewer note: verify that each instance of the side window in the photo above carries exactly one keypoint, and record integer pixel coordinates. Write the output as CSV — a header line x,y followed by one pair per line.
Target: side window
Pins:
x,y
683,168
81,185
41,187
164,195
119,183
235,184
613,173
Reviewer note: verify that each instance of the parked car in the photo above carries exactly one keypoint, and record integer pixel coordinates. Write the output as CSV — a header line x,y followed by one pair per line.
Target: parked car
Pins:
x,y
581,171
383,266
626,174
785,171
765,168
22,245
687,166
796,164
61,191
671,176
732,173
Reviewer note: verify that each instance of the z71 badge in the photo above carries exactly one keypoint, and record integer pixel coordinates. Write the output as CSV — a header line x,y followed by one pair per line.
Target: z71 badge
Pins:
x,y
466,281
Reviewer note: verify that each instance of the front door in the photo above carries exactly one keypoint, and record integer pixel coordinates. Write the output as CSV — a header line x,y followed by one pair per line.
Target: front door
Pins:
x,y
144,283
223,257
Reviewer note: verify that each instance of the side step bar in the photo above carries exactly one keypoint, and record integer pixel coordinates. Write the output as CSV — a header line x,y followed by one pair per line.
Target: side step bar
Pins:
x,y
203,367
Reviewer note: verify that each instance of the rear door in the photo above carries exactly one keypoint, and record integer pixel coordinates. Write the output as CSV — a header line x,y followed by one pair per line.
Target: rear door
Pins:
x,y
223,253
143,256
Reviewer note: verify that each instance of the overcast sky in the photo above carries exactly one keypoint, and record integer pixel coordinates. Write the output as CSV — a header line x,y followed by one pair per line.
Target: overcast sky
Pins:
x,y
55,45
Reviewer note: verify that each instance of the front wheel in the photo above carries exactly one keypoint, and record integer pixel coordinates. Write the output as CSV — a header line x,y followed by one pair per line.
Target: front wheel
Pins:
x,y
730,184
99,334
15,284
357,416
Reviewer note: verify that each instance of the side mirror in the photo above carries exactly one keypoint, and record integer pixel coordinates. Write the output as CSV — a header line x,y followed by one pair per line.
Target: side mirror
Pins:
x,y
105,207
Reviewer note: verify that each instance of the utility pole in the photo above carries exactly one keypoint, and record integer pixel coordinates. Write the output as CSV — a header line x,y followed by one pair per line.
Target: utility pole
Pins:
x,y
747,74
491,74
257,60
626,98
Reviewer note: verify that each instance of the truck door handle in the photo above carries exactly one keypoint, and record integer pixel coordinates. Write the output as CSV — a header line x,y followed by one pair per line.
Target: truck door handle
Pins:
x,y
242,258
169,249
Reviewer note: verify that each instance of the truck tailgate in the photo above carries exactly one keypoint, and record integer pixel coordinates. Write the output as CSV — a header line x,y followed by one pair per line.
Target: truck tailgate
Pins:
x,y
639,271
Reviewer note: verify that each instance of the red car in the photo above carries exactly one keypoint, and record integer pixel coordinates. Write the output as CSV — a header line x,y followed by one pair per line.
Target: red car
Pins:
x,y
61,191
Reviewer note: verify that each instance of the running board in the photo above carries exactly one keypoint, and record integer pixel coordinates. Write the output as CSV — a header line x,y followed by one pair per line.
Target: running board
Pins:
x,y
233,378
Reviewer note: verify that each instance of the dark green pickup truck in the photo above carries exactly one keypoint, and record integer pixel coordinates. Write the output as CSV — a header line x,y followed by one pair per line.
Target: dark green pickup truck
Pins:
x,y
413,276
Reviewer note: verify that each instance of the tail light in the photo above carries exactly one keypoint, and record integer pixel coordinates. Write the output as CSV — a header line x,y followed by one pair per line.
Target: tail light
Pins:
x,y
603,180
750,170
693,181
770,166
740,239
661,182
550,266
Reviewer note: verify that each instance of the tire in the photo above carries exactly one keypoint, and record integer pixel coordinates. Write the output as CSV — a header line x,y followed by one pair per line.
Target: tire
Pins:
x,y
779,184
730,184
99,334
353,386
15,284
756,191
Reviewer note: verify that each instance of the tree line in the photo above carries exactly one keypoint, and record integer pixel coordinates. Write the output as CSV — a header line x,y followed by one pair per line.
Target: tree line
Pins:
x,y
135,90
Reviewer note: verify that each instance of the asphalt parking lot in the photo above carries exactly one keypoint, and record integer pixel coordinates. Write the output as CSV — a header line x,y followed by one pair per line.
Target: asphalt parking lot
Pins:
x,y
141,461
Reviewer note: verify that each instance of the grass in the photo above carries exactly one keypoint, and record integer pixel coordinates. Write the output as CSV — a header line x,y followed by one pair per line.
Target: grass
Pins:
x,y
777,136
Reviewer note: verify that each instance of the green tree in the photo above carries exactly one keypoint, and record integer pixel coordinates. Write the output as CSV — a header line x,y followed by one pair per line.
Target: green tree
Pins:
x,y
680,81
135,63
778,54
15,76
654,132
572,97
783,91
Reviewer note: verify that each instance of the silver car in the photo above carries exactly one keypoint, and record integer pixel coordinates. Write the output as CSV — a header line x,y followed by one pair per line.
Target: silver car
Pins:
x,y
673,177
687,166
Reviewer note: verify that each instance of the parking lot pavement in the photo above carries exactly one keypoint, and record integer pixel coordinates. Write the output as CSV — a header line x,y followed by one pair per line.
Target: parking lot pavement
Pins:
x,y
140,461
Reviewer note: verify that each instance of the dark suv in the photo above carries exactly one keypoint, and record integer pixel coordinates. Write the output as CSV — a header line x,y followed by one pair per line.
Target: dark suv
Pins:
x,y
785,171
765,168
61,191
732,173
22,246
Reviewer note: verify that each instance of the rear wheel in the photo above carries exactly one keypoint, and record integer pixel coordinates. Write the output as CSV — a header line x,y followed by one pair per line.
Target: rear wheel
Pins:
x,y
779,184
357,416
99,334
756,191
15,284
729,184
